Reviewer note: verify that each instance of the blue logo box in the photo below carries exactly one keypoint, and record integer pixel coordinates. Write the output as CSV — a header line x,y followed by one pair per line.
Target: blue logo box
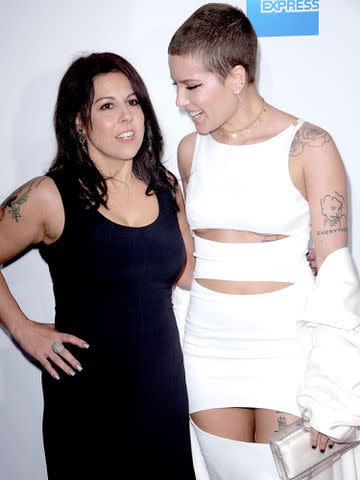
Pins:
x,y
283,18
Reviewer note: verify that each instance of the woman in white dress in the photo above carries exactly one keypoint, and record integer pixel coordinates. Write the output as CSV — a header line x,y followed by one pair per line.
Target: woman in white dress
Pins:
x,y
260,335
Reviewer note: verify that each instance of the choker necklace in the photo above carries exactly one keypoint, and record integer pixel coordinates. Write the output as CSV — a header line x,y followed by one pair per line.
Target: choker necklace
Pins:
x,y
249,129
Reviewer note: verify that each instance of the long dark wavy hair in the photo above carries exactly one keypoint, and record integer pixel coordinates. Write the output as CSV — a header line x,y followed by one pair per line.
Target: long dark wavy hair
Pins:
x,y
75,98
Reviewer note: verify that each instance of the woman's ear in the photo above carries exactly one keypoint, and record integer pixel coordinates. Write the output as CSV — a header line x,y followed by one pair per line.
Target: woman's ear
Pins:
x,y
81,133
238,78
79,125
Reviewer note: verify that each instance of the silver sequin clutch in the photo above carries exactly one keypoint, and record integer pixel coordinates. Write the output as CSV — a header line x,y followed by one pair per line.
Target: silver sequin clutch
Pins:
x,y
294,457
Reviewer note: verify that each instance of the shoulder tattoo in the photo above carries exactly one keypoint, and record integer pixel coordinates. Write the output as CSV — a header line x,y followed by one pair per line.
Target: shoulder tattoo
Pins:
x,y
308,136
14,201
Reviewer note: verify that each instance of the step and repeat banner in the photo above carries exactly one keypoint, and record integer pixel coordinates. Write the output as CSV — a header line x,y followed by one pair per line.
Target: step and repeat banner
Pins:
x,y
308,66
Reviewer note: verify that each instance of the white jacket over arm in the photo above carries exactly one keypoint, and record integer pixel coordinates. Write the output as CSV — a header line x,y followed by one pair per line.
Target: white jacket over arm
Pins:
x,y
331,384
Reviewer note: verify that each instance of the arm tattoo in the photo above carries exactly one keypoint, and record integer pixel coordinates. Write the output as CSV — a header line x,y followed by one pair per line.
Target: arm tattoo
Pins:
x,y
269,237
16,199
308,135
332,209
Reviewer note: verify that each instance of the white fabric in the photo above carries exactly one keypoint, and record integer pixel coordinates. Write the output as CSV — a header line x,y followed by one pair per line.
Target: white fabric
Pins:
x,y
232,460
278,261
331,387
335,300
245,350
221,192
253,350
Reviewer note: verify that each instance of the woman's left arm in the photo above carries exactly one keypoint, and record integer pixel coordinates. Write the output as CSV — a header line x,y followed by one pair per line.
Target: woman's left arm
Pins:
x,y
331,387
325,188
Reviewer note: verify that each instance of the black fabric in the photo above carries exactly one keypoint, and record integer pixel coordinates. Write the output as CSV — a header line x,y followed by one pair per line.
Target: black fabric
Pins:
x,y
125,416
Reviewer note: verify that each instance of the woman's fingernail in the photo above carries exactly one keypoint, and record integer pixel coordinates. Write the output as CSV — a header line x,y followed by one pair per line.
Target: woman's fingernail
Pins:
x,y
313,446
56,376
78,367
85,345
330,446
322,451
71,372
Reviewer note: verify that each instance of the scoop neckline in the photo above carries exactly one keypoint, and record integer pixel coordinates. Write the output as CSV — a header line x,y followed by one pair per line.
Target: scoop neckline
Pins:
x,y
129,227
292,124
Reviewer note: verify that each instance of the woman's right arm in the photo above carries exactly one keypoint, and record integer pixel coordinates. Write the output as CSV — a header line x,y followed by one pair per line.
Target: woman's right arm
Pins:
x,y
185,154
185,157
30,215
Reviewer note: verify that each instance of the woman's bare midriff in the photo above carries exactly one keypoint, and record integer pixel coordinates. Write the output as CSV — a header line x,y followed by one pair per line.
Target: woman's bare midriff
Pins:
x,y
233,286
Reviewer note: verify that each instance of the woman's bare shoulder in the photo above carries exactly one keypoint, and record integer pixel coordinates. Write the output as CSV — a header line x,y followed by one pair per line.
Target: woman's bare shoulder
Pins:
x,y
311,138
188,142
186,151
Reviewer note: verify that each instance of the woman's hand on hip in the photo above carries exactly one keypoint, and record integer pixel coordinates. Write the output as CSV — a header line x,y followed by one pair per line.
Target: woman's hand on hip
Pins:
x,y
46,345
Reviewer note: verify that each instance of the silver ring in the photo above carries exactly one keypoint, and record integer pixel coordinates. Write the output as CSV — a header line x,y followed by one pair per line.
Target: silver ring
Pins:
x,y
57,347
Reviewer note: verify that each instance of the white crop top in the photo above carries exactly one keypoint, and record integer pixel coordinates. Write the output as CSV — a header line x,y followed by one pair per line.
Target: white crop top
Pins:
x,y
245,187
248,187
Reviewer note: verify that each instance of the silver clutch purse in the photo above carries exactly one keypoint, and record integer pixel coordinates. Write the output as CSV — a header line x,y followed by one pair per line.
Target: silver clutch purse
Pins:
x,y
293,455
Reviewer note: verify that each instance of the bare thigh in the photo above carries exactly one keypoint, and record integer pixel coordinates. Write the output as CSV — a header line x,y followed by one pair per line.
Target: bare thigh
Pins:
x,y
242,424
234,423
269,421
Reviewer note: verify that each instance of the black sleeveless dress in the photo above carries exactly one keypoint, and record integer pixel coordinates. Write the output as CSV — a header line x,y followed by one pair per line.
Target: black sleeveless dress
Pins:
x,y
125,416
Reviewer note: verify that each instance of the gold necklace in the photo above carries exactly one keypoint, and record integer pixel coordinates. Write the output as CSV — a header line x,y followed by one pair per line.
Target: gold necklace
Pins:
x,y
248,129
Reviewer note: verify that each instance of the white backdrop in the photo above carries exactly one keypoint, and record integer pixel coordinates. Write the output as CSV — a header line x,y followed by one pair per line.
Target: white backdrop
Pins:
x,y
316,78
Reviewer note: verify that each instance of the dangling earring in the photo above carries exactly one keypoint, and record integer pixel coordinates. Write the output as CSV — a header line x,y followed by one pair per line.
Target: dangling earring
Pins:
x,y
239,97
238,94
82,140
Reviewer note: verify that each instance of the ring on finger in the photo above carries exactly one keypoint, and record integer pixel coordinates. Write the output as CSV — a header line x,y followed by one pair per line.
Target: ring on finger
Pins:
x,y
57,347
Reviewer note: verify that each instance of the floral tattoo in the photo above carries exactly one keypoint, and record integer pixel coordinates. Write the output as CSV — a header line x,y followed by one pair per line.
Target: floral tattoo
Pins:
x,y
308,135
13,203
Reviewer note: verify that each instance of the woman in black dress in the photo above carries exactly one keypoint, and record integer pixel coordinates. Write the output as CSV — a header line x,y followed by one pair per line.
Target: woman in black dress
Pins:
x,y
109,221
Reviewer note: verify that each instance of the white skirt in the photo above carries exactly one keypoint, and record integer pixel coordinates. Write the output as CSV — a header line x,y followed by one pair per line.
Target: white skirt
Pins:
x,y
245,350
